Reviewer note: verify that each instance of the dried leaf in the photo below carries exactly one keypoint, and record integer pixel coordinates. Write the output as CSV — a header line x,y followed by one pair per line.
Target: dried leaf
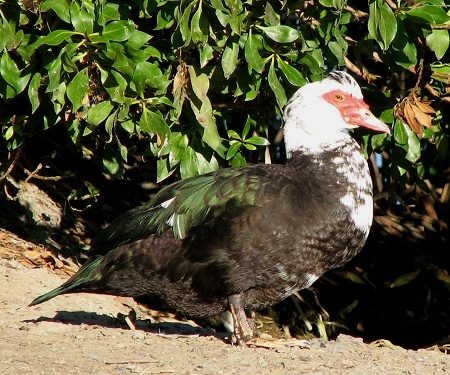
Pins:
x,y
425,107
181,79
411,119
422,118
415,113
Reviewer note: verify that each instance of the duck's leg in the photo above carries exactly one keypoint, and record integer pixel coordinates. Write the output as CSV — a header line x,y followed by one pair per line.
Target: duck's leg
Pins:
x,y
244,328
245,332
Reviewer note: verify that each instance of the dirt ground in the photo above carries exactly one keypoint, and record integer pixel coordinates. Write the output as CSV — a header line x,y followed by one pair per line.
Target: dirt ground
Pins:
x,y
88,334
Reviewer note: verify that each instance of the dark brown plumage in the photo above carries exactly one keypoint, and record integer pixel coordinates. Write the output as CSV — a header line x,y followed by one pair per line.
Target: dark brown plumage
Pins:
x,y
246,238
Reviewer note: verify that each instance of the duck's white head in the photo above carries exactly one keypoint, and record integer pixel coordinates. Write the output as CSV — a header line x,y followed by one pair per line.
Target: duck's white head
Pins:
x,y
318,112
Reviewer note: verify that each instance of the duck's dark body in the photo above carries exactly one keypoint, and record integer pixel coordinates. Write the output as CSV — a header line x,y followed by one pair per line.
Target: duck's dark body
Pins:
x,y
279,243
246,238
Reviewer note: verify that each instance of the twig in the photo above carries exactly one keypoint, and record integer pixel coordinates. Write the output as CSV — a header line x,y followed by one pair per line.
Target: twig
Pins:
x,y
419,75
13,163
441,26
46,178
33,173
430,89
352,67
128,362
391,4
358,14
369,77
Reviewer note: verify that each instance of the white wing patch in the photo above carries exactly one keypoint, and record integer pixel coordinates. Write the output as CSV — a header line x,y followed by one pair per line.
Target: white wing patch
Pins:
x,y
180,235
167,203
174,222
170,220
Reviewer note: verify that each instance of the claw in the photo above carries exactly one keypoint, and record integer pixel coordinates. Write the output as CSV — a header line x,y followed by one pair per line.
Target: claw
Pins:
x,y
244,327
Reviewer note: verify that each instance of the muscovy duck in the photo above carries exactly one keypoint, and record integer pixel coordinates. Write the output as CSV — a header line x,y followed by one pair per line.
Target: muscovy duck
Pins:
x,y
247,237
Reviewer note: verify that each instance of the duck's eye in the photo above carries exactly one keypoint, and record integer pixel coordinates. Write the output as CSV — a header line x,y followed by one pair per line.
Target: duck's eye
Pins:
x,y
339,97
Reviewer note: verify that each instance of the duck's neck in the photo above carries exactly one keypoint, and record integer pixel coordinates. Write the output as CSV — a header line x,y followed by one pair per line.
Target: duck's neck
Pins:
x,y
340,164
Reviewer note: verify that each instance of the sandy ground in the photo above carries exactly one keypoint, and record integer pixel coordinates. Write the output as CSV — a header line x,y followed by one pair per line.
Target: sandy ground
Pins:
x,y
86,334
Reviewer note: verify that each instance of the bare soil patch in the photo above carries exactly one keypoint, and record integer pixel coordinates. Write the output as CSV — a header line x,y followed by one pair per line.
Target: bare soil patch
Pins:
x,y
87,334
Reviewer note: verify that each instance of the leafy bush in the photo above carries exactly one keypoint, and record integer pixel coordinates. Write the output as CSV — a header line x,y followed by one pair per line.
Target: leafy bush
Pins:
x,y
198,83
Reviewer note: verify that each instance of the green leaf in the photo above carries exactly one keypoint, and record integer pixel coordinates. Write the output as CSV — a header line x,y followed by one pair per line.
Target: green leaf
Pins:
x,y
408,141
238,160
110,123
328,3
77,88
99,112
55,38
249,146
204,165
110,12
414,149
438,41
33,92
152,122
281,33
258,141
122,150
441,69
184,23
12,75
206,54
350,276
162,170
165,17
337,51
233,134
199,26
82,21
276,86
230,58
9,36
251,47
138,38
248,124
314,61
291,74
233,149
405,279
374,19
224,18
400,135
9,133
118,31
124,65
111,163
147,73
382,23
428,14
270,15
202,109
388,25
114,84
60,7
188,162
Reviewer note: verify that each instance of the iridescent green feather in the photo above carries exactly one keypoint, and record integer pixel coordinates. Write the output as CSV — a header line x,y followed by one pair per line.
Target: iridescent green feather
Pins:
x,y
184,205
